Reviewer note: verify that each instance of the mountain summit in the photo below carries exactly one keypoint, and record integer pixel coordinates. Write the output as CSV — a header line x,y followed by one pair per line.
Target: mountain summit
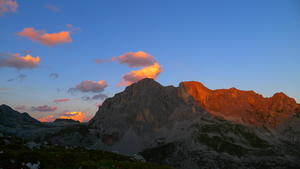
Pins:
x,y
246,107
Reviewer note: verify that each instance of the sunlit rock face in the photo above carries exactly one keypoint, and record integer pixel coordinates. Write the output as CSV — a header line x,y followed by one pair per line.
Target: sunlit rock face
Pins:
x,y
246,107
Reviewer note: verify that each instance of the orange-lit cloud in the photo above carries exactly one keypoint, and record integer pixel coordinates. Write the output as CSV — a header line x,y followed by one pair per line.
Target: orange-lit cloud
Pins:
x,y
19,62
151,71
61,100
48,118
8,6
49,39
80,116
150,67
90,86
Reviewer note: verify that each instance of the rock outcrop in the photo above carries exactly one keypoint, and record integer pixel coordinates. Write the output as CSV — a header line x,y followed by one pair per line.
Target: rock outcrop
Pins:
x,y
246,107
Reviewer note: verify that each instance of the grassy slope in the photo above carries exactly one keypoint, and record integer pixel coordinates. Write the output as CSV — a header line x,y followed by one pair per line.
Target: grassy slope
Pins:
x,y
12,156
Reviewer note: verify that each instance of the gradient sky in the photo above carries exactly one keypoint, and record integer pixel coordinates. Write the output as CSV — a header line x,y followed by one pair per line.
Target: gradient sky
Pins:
x,y
248,44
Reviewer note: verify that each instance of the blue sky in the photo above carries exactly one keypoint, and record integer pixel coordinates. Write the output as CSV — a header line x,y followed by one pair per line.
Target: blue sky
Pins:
x,y
250,45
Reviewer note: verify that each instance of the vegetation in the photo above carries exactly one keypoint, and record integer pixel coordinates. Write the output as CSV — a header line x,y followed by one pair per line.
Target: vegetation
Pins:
x,y
220,138
160,153
15,154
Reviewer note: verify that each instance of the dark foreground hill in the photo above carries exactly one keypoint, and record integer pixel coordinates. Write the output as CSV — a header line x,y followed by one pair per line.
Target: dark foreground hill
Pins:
x,y
15,153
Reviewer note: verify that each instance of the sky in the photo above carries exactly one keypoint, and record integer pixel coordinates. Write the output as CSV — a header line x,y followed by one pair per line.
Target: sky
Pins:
x,y
61,59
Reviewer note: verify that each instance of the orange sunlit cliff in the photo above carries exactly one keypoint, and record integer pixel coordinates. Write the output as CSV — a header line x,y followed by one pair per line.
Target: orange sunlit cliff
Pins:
x,y
245,107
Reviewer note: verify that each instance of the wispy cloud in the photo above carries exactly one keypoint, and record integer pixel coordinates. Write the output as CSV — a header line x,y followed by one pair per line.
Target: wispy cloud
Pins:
x,y
53,75
5,89
49,39
95,97
19,62
44,108
71,28
20,78
8,6
52,8
20,108
61,100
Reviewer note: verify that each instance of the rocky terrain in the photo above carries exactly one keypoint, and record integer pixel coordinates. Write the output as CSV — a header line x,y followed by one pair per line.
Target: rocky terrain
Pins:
x,y
186,127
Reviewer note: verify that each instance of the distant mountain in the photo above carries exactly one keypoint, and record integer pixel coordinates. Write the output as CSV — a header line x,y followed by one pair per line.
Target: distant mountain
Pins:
x,y
14,119
67,121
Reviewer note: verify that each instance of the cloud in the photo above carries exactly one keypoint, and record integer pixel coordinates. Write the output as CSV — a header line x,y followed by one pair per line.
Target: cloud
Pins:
x,y
5,89
80,116
98,61
48,118
150,67
49,39
90,86
20,108
131,59
20,78
136,59
147,72
95,97
19,62
61,100
52,8
8,6
53,75
71,28
44,108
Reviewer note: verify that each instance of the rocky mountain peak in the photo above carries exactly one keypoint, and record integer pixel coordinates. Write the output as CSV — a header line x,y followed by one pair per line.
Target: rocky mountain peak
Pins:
x,y
245,107
148,105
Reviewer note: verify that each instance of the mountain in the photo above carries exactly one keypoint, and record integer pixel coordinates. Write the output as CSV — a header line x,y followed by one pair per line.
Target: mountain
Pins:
x,y
192,127
245,107
12,118
186,127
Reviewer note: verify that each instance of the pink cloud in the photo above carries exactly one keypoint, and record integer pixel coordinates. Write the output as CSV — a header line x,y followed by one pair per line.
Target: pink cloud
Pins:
x,y
19,62
61,100
44,108
5,89
49,39
131,59
136,59
52,8
90,86
21,108
8,6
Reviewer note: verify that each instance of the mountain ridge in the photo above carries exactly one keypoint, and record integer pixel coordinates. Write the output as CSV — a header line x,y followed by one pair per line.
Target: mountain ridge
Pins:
x,y
241,106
